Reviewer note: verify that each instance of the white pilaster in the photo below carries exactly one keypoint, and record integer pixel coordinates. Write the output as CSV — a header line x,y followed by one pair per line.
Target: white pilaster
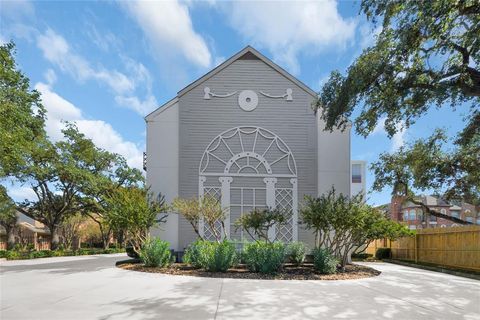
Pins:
x,y
225,201
293,181
270,185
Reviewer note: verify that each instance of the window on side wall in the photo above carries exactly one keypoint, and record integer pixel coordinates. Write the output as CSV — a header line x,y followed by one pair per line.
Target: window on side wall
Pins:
x,y
356,173
412,214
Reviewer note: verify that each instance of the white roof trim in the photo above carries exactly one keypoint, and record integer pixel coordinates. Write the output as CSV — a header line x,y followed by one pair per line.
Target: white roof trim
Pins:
x,y
156,112
238,55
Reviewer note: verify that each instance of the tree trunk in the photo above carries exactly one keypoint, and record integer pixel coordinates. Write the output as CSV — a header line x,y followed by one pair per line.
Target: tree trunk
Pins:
x,y
10,238
55,239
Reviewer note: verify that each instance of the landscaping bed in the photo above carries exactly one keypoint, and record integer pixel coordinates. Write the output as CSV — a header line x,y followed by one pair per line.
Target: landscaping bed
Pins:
x,y
288,272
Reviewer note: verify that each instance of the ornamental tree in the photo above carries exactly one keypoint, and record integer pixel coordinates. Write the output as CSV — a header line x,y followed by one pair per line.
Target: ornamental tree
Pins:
x,y
258,222
135,210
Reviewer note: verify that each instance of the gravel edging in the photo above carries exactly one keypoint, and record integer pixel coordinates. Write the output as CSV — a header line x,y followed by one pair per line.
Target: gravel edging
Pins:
x,y
290,272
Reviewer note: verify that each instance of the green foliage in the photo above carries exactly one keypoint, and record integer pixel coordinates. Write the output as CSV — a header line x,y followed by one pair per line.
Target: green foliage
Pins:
x,y
135,210
211,256
156,253
324,261
383,253
342,224
426,55
296,252
361,256
259,221
21,112
192,254
264,257
20,254
8,216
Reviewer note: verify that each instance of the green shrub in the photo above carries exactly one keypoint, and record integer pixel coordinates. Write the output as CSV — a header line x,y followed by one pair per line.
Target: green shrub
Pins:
x,y
361,256
383,253
211,256
324,261
192,254
296,252
156,253
264,257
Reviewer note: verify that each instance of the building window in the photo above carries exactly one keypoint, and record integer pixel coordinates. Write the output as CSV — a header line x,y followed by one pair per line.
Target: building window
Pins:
x,y
469,219
433,218
455,214
443,226
405,215
443,211
412,227
478,221
412,215
356,173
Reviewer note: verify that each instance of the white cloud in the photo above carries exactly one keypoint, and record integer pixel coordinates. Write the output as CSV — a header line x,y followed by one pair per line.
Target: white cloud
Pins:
x,y
288,28
19,193
398,139
50,76
169,27
57,50
101,132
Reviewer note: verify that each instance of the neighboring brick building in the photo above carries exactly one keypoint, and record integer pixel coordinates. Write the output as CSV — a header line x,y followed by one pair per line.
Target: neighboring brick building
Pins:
x,y
414,216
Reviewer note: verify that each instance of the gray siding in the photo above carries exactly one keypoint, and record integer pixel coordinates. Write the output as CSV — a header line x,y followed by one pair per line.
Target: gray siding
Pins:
x,y
202,120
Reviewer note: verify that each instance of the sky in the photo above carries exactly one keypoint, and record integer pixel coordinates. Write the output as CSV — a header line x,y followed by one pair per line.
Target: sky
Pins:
x,y
105,65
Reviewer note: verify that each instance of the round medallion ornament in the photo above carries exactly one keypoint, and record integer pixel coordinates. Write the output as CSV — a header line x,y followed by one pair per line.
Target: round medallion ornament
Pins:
x,y
248,100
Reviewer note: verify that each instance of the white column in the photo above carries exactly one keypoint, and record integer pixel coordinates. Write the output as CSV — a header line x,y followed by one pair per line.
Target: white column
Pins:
x,y
201,226
225,201
270,185
293,181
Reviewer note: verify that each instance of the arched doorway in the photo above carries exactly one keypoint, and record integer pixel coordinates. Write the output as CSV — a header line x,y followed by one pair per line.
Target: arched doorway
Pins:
x,y
248,168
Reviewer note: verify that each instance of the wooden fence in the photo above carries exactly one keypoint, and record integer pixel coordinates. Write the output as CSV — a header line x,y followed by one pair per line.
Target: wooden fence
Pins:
x,y
457,247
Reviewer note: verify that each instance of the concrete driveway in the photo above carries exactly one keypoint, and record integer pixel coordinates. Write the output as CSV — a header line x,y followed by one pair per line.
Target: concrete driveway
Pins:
x,y
92,288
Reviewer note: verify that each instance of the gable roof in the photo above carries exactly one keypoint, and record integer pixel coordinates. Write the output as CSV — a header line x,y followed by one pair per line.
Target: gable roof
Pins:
x,y
248,53
160,109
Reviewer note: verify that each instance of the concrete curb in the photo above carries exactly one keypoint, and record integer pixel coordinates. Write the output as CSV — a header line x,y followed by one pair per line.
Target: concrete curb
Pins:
x,y
437,269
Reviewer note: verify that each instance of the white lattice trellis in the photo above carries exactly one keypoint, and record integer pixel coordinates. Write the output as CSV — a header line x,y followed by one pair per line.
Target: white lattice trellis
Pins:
x,y
284,202
216,193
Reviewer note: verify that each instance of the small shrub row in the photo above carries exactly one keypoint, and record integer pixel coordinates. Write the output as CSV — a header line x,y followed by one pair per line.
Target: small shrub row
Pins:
x,y
264,257
24,254
156,253
383,253
361,256
211,256
324,261
259,256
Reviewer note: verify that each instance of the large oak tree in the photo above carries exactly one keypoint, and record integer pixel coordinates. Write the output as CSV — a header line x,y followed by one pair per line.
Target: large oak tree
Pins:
x,y
427,55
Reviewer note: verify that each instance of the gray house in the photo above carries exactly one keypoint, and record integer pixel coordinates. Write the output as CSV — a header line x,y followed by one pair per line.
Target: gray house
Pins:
x,y
245,133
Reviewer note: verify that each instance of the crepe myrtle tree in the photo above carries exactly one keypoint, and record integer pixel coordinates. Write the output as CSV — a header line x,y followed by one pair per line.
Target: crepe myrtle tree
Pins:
x,y
207,209
426,56
342,224
135,210
115,174
8,217
258,222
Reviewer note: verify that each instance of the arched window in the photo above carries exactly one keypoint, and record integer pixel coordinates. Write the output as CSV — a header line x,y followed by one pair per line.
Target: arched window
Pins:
x,y
443,211
412,214
405,215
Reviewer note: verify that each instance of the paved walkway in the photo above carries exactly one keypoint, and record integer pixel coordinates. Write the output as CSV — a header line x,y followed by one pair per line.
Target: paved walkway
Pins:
x,y
92,288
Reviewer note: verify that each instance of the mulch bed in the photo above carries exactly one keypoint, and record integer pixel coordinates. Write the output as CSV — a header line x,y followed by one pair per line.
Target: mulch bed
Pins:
x,y
289,272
